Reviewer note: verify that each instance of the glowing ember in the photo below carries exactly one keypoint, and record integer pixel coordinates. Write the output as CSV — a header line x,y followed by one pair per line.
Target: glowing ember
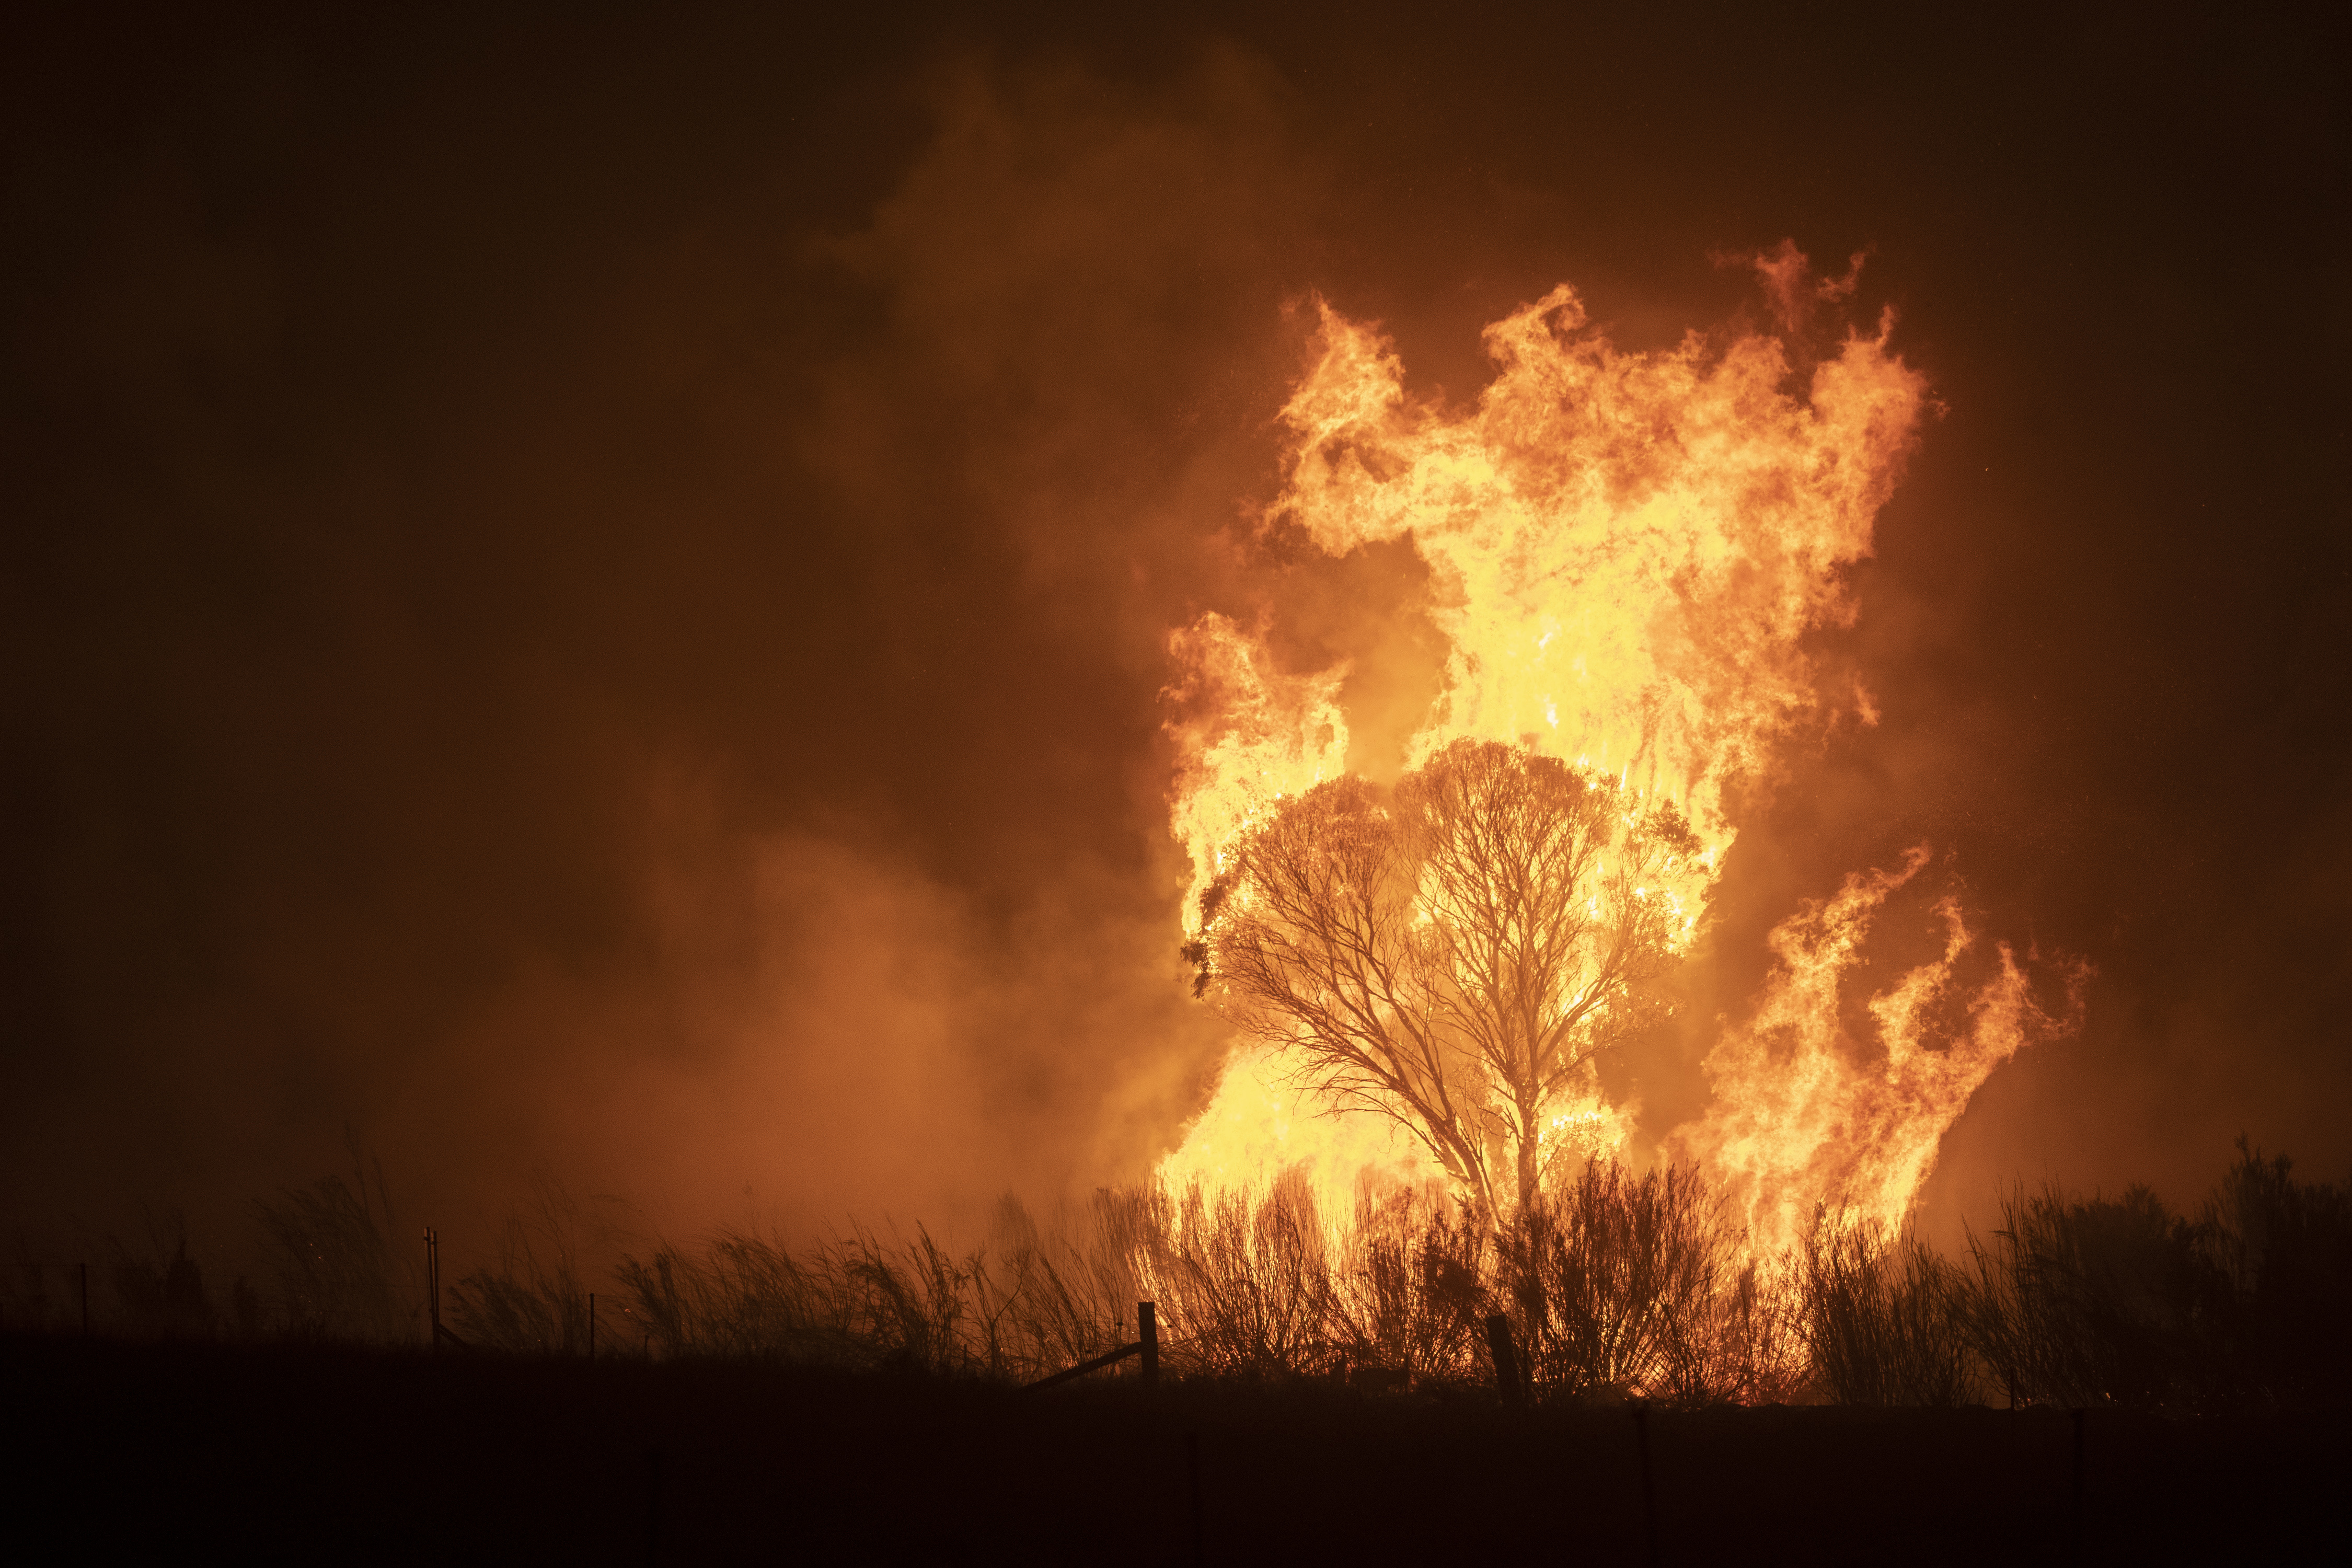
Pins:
x,y
1625,551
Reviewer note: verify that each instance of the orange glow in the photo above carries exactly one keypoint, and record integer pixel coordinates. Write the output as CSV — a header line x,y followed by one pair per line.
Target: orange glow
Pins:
x,y
1625,552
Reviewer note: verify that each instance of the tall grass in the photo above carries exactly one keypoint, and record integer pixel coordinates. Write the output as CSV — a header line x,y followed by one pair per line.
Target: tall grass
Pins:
x,y
1015,1307
535,1297
329,1247
1616,1285
318,1243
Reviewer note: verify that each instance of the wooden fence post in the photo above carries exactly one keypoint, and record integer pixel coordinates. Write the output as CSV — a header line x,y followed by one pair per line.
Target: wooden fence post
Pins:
x,y
1146,1321
1649,1492
652,1505
2075,1519
432,1290
1192,1474
1506,1362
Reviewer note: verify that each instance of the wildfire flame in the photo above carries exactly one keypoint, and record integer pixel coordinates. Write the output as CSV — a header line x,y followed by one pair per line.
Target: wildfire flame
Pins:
x,y
1797,1120
1625,551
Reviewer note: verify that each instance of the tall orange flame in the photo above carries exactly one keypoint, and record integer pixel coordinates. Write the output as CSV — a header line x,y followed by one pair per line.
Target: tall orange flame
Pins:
x,y
1802,1116
1625,551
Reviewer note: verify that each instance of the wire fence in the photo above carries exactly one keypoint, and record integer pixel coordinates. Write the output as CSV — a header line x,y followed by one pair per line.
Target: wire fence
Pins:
x,y
134,1299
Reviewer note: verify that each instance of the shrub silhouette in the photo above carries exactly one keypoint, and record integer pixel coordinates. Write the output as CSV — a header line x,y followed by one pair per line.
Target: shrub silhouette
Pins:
x,y
1625,1284
2285,1249
1882,1316
2121,1301
2094,1301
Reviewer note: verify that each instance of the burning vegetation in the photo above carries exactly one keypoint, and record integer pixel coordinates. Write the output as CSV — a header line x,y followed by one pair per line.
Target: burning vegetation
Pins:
x,y
1455,955
1415,1174
1616,1285
1626,555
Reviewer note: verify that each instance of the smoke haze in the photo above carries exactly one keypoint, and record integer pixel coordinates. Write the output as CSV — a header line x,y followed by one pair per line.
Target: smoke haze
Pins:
x,y
589,598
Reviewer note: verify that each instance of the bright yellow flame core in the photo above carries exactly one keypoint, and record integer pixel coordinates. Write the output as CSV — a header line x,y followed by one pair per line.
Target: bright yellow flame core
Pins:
x,y
1625,550
1798,1120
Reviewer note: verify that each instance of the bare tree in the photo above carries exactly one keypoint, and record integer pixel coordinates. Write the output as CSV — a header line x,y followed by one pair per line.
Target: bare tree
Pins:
x,y
1452,953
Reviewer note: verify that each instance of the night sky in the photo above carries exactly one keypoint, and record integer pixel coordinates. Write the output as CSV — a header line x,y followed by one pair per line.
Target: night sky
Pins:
x,y
586,593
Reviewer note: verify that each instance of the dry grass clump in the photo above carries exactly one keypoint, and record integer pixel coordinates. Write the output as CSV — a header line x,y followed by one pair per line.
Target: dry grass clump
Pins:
x,y
534,1300
1017,1306
329,1251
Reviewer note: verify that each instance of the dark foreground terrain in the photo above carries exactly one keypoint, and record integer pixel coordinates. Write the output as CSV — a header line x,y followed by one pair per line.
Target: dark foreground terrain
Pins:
x,y
335,1455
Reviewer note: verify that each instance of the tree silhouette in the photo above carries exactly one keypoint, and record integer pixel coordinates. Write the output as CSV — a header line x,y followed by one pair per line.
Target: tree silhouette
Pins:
x,y
1454,953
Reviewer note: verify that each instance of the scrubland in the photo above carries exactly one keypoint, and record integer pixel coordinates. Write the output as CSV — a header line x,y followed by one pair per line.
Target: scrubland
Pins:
x,y
2090,1370
1620,1286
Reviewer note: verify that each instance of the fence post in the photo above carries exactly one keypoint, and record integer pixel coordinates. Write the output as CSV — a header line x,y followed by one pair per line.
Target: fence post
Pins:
x,y
432,1290
1192,1474
1146,1323
591,1325
1506,1361
652,1505
1649,1492
2076,1521
85,1300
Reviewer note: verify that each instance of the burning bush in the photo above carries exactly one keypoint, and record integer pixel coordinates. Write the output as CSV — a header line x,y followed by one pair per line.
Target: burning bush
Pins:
x,y
537,1298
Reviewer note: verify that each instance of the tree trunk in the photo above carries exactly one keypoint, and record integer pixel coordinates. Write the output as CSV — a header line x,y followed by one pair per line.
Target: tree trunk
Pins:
x,y
1529,1149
